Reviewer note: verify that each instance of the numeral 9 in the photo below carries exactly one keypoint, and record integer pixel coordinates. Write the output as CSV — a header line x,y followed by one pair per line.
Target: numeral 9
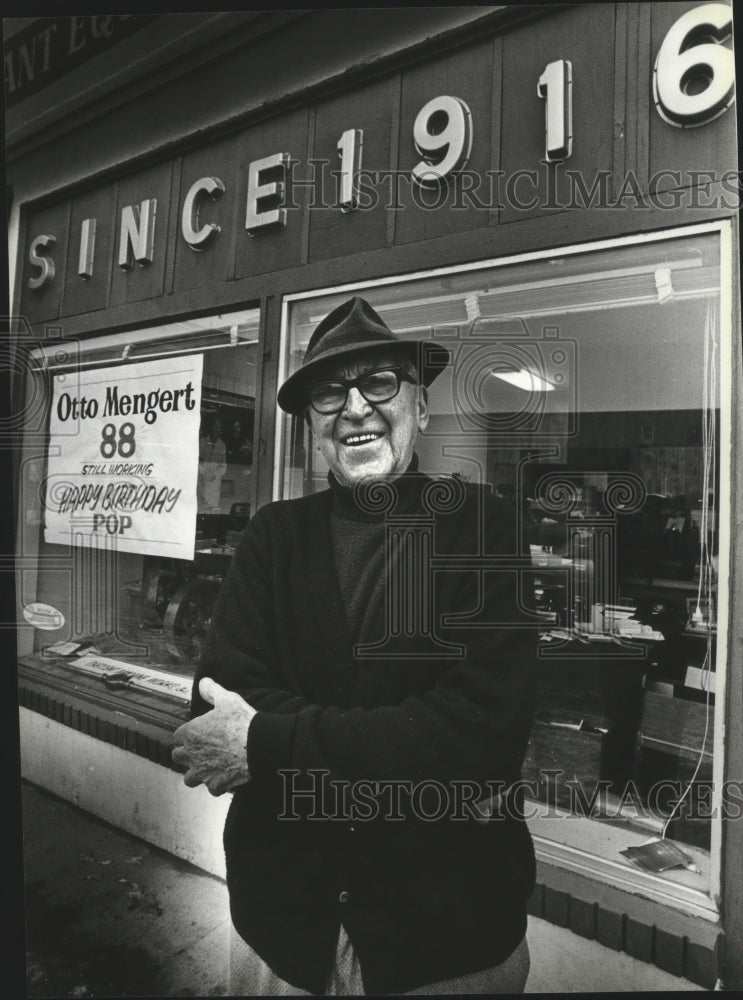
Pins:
x,y
442,133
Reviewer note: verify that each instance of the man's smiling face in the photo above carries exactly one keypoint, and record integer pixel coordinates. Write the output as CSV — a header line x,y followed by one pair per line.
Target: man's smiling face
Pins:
x,y
370,440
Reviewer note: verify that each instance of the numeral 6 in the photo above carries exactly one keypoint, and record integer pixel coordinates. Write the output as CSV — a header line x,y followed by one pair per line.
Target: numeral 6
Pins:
x,y
694,75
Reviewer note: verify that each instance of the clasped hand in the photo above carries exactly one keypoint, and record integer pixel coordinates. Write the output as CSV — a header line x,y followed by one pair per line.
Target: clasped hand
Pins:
x,y
213,747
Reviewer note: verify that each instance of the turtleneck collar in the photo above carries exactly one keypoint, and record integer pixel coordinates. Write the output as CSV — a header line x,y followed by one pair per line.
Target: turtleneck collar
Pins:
x,y
371,502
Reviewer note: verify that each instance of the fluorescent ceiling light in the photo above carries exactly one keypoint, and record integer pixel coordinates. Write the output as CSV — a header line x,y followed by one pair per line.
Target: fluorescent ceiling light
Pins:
x,y
524,379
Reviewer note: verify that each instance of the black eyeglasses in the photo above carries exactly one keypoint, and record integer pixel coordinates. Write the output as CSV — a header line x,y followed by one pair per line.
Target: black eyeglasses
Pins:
x,y
376,387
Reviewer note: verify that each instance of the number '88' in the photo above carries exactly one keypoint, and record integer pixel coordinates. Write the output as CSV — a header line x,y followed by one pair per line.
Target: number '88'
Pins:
x,y
122,444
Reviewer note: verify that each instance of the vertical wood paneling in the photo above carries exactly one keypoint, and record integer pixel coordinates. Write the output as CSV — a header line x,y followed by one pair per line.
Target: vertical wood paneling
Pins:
x,y
143,281
266,410
708,148
275,248
526,54
394,153
334,233
89,295
496,135
174,226
214,264
620,114
307,155
465,74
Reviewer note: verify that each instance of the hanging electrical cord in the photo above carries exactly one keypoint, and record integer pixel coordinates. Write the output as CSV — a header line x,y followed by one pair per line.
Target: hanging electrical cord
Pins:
x,y
680,800
706,582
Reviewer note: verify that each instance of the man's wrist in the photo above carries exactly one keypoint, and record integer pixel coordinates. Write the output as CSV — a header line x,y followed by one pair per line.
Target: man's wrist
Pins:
x,y
270,742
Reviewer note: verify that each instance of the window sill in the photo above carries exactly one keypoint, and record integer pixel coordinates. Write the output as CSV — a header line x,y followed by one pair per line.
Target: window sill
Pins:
x,y
584,884
138,721
585,845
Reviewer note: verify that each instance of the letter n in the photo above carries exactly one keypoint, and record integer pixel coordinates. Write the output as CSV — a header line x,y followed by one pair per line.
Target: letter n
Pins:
x,y
137,239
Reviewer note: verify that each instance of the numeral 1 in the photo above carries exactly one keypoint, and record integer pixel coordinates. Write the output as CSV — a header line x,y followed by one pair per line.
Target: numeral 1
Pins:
x,y
556,85
350,147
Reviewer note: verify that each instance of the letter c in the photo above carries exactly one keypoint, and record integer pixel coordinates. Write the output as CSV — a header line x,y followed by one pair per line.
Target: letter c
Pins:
x,y
198,239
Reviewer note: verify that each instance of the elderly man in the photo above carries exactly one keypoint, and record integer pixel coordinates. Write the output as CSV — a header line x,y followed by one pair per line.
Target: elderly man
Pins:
x,y
371,708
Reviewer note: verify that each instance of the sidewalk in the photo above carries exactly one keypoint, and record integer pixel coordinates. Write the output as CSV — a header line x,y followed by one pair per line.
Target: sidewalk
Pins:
x,y
108,915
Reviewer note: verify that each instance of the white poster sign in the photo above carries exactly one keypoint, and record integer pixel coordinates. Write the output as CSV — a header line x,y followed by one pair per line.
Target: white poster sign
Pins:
x,y
123,457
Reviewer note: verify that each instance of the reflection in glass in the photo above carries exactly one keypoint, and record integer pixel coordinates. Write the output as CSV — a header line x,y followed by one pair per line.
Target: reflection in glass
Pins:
x,y
143,609
583,390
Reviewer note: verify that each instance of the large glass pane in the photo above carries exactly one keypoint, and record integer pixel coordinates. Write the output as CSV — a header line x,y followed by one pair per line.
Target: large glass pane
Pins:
x,y
583,389
125,598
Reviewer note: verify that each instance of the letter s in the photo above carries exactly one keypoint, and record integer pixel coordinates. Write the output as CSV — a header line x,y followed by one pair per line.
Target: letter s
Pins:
x,y
46,276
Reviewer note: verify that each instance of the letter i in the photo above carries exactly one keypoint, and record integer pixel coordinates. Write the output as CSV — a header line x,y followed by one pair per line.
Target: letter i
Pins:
x,y
87,248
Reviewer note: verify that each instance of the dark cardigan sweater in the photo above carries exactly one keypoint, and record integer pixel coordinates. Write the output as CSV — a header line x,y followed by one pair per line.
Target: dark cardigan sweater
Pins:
x,y
425,891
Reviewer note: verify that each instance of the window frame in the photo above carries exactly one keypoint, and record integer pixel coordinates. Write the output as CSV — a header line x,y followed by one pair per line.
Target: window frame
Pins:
x,y
109,349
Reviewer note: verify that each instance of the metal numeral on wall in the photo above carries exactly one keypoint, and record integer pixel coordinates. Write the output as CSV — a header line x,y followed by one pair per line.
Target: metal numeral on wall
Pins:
x,y
694,74
350,148
555,85
442,133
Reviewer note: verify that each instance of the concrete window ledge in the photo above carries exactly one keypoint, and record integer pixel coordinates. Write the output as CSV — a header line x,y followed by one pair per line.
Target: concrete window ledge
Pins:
x,y
685,946
136,721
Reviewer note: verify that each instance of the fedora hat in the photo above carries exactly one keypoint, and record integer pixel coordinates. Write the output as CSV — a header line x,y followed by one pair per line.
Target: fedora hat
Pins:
x,y
351,327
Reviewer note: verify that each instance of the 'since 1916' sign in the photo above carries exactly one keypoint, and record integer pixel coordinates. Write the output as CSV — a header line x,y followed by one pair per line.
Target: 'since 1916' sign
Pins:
x,y
123,457
693,83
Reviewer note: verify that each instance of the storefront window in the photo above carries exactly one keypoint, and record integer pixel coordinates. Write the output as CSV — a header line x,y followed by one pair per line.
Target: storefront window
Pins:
x,y
584,388
135,493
